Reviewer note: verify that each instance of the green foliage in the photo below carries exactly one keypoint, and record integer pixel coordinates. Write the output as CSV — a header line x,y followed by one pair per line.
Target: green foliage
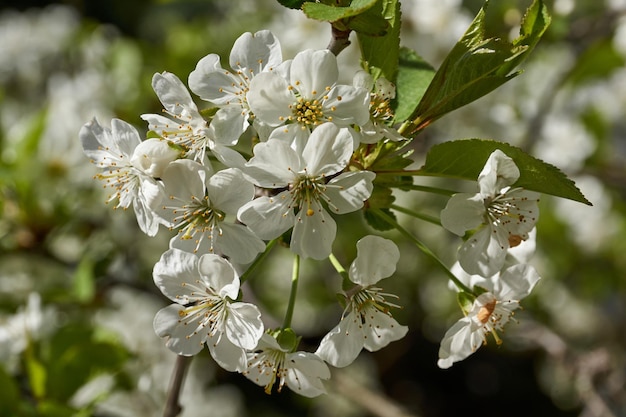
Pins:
x,y
466,158
292,4
597,61
414,76
478,65
379,54
357,16
374,220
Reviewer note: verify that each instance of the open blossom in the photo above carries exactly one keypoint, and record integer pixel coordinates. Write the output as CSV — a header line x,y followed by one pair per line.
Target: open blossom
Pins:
x,y
203,289
203,207
302,372
366,321
185,126
382,91
303,95
501,216
303,180
251,55
489,312
129,166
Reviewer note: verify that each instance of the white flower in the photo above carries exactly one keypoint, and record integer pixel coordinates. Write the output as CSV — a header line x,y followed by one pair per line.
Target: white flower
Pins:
x,y
304,179
489,313
203,289
302,372
30,323
503,216
366,321
251,55
303,95
128,166
198,204
185,126
381,93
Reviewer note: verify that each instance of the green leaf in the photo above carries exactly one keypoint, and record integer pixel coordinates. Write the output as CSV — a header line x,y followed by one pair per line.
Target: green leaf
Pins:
x,y
37,376
9,393
477,65
380,53
597,61
466,158
369,23
414,76
376,222
292,4
326,13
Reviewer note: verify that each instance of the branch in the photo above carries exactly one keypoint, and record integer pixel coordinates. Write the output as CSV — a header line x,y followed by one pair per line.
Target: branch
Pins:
x,y
340,40
172,406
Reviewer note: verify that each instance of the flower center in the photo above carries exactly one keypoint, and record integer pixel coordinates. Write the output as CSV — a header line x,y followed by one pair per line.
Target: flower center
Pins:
x,y
308,113
197,217
307,190
124,181
485,311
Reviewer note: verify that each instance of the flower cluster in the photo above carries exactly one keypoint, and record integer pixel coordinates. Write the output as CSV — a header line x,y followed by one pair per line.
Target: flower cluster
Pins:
x,y
306,165
492,270
223,206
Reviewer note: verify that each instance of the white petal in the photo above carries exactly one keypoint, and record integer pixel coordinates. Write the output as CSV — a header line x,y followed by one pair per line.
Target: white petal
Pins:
x,y
239,243
516,282
174,273
463,212
500,171
380,329
274,164
347,105
328,150
220,275
313,71
293,134
209,81
268,217
228,124
181,338
229,157
484,253
376,259
460,341
149,193
341,346
228,190
255,52
244,327
347,192
313,235
270,98
305,373
152,156
174,95
227,355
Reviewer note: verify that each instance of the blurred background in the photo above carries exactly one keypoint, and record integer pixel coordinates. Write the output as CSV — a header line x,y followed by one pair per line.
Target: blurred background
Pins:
x,y
76,293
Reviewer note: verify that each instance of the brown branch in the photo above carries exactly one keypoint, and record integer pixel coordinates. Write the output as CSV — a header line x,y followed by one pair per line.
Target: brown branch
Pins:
x,y
172,406
339,41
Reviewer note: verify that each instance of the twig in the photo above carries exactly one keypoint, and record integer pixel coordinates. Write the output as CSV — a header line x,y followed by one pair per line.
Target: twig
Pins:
x,y
172,406
339,41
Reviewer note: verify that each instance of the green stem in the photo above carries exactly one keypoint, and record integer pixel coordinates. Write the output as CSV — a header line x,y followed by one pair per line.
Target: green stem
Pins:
x,y
417,215
257,261
341,270
381,214
426,188
294,290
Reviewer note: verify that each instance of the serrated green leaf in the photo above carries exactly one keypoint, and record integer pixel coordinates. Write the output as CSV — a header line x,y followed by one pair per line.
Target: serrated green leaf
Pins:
x,y
375,222
326,13
477,65
466,158
381,197
369,23
380,53
414,76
